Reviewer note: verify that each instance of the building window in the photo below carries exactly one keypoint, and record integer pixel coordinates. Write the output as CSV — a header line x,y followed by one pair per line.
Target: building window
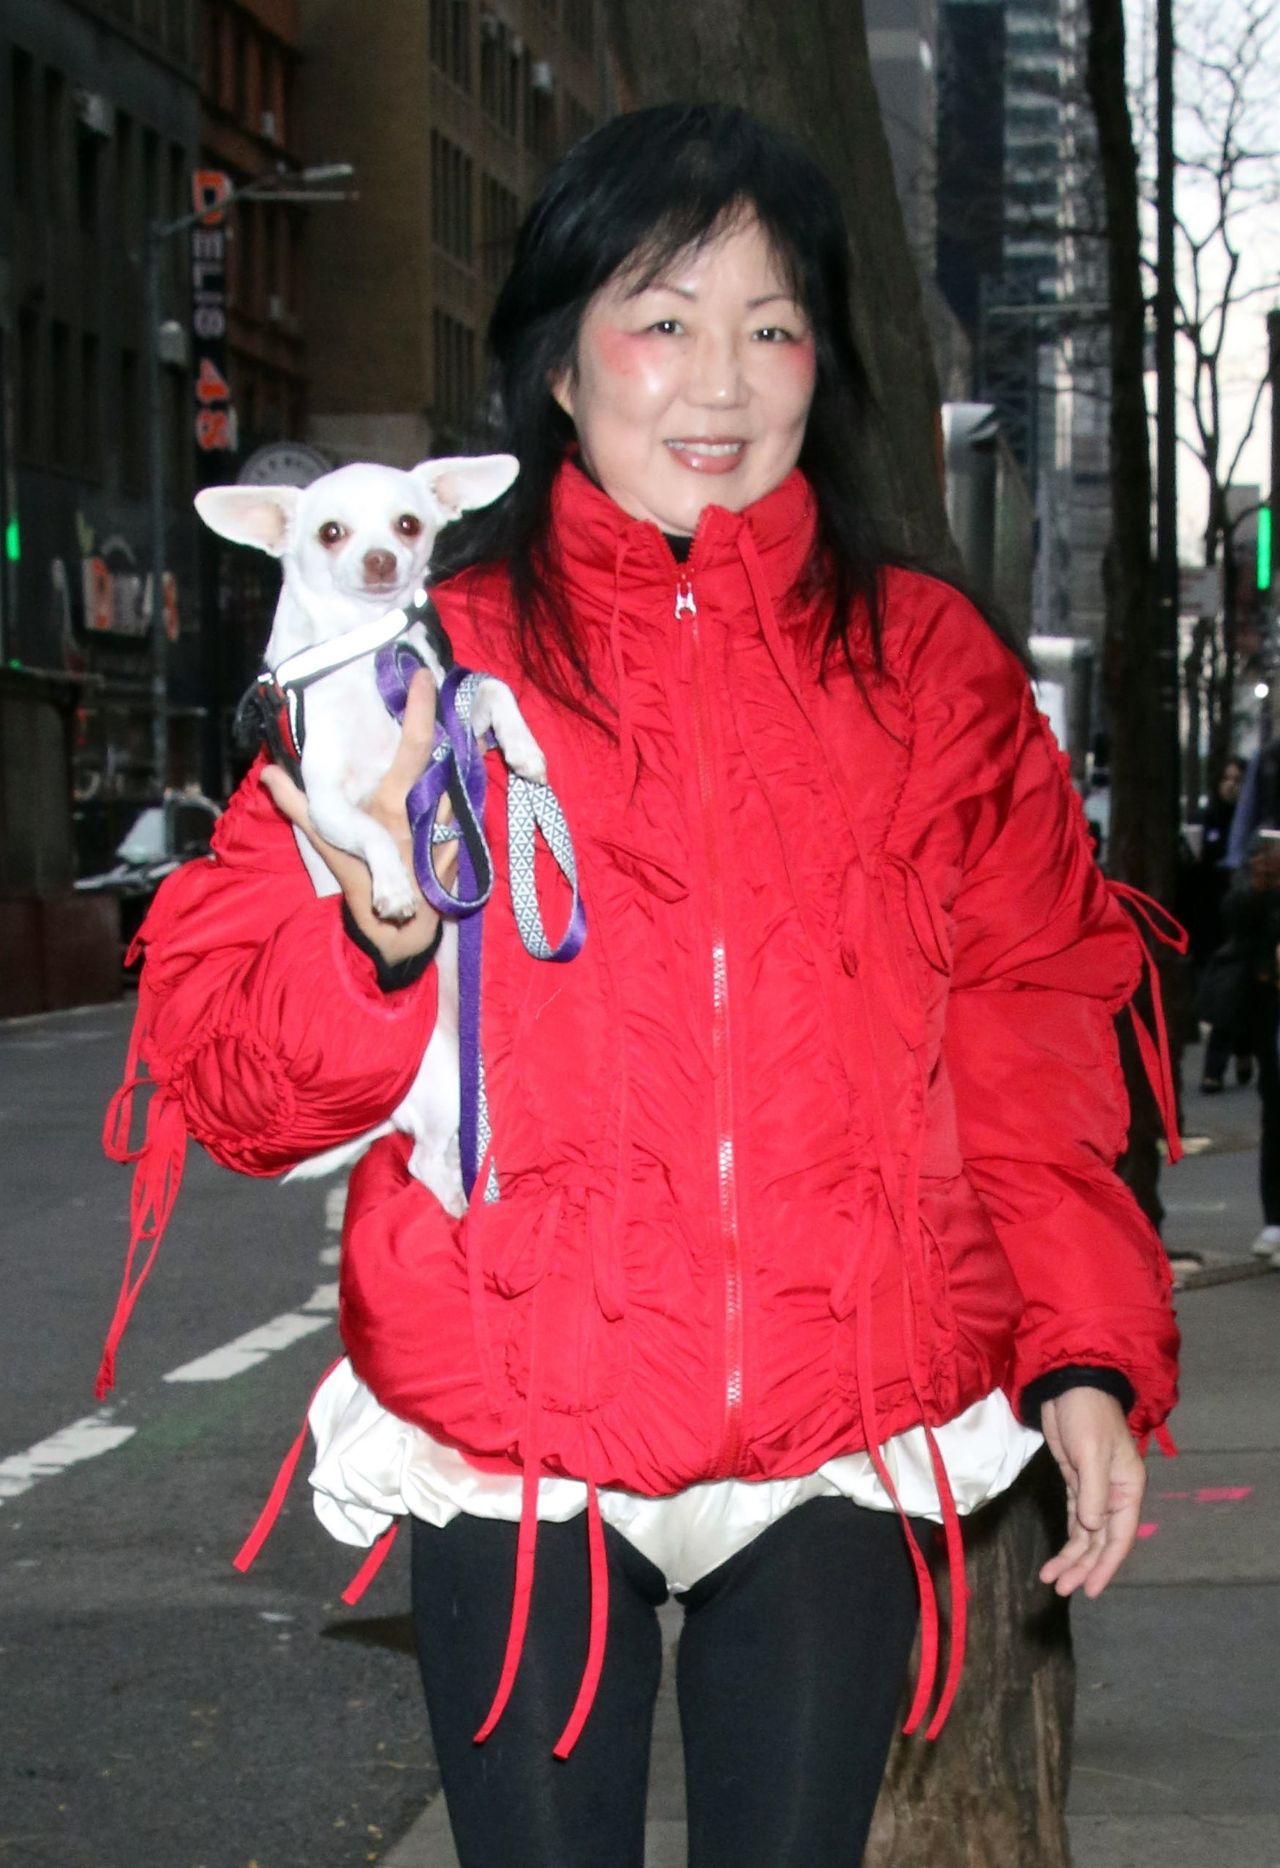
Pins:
x,y
455,369
279,263
450,38
578,121
22,78
57,128
579,23
127,214
152,206
239,69
272,124
88,181
178,30
60,392
254,104
499,218
539,109
30,400
451,199
90,407
499,72
132,465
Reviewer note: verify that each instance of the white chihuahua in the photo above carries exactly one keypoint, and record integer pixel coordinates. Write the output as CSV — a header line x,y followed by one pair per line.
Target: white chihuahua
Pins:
x,y
353,545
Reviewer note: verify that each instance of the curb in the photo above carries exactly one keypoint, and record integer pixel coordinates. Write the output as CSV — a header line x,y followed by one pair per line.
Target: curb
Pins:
x,y
1231,1272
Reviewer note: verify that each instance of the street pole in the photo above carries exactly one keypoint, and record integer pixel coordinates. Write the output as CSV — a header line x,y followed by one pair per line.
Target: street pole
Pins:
x,y
156,479
1166,592
1273,491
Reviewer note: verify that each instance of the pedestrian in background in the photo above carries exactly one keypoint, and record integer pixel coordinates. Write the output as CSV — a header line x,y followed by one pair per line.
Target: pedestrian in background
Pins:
x,y
1231,1028
806,1221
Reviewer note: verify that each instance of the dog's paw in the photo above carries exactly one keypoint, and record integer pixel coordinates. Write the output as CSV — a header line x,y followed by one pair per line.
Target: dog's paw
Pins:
x,y
394,897
525,757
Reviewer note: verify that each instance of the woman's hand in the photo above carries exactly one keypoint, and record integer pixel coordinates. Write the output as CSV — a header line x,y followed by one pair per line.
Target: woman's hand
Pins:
x,y
395,940
1087,1434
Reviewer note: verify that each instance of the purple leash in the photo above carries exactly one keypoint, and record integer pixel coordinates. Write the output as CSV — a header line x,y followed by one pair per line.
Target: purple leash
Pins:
x,y
457,769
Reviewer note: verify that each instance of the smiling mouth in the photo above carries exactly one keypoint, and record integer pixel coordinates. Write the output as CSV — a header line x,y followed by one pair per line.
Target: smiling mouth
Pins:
x,y
714,450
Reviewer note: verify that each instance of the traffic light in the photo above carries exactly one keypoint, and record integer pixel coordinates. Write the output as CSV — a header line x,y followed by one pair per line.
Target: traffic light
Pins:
x,y
12,540
1264,548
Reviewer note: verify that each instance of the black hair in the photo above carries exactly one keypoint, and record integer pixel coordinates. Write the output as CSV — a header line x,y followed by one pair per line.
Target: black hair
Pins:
x,y
626,200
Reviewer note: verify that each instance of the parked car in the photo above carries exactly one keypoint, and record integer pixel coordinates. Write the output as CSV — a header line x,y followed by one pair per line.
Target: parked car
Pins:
x,y
161,838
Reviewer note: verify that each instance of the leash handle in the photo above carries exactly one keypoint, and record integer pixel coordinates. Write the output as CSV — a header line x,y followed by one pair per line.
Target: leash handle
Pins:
x,y
456,768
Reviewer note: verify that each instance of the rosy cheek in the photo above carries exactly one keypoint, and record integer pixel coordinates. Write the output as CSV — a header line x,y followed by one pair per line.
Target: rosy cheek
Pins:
x,y
800,360
617,351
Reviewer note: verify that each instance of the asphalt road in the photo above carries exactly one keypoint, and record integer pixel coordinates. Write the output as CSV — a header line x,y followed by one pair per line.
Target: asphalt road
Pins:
x,y
158,1710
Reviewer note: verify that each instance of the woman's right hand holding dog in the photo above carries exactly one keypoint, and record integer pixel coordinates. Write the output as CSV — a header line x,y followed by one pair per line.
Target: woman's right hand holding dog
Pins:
x,y
395,940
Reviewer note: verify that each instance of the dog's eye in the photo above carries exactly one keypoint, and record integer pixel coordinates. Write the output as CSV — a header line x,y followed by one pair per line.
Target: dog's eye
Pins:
x,y
408,525
331,532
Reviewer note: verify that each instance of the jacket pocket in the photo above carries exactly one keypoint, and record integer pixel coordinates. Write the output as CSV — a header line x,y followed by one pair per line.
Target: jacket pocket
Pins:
x,y
563,1279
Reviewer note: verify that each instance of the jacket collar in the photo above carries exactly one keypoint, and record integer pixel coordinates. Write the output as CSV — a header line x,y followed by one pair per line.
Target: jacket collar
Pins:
x,y
606,555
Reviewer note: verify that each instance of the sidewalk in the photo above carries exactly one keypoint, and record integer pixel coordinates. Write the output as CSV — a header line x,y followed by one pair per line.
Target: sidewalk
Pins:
x,y
1177,1763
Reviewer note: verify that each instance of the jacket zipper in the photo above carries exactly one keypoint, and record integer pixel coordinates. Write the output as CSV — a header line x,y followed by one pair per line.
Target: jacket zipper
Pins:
x,y
721,1054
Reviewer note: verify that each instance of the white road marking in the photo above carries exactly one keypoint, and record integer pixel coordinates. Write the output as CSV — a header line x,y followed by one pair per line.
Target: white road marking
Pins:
x,y
335,1206
83,1439
246,1351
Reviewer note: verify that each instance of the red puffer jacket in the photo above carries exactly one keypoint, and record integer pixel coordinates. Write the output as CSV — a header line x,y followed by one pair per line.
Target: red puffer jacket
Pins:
x,y
814,1139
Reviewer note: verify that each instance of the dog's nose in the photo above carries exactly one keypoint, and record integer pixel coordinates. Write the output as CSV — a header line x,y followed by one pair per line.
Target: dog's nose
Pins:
x,y
379,567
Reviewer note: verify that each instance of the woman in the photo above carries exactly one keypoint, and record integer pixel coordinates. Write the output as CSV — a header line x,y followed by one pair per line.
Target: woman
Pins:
x,y
806,1215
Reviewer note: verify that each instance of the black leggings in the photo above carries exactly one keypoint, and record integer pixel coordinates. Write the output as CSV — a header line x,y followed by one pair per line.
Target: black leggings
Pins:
x,y
789,1672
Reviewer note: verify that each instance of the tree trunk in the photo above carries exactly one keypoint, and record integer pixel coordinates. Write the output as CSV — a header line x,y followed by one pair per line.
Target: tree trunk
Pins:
x,y
990,1793
1143,732
804,67
1143,832
1198,680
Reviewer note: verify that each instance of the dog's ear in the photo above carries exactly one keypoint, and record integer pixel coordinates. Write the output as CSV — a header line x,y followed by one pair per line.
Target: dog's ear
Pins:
x,y
251,515
469,480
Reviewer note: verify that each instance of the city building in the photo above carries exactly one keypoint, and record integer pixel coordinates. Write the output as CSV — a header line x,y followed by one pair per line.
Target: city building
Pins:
x,y
452,114
1022,263
251,375
902,40
248,75
98,99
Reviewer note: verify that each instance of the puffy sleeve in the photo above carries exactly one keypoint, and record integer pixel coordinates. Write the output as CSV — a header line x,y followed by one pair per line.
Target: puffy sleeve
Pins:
x,y
1044,958
257,1015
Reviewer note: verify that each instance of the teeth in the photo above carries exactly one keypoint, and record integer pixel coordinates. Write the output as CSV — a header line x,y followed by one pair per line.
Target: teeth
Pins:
x,y
707,447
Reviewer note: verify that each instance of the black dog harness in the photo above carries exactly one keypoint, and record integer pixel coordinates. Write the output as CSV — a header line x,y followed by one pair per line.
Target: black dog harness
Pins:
x,y
273,707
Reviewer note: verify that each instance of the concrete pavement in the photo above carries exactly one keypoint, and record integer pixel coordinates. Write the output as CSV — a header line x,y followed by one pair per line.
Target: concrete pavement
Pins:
x,y
1178,1721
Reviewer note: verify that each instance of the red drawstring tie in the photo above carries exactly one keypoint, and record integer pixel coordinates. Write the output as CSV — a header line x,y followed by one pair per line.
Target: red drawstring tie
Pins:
x,y
959,1585
275,1499
526,1543
599,1570
526,1554
1163,1439
871,1434
252,1545
157,1176
372,1564
1156,1058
